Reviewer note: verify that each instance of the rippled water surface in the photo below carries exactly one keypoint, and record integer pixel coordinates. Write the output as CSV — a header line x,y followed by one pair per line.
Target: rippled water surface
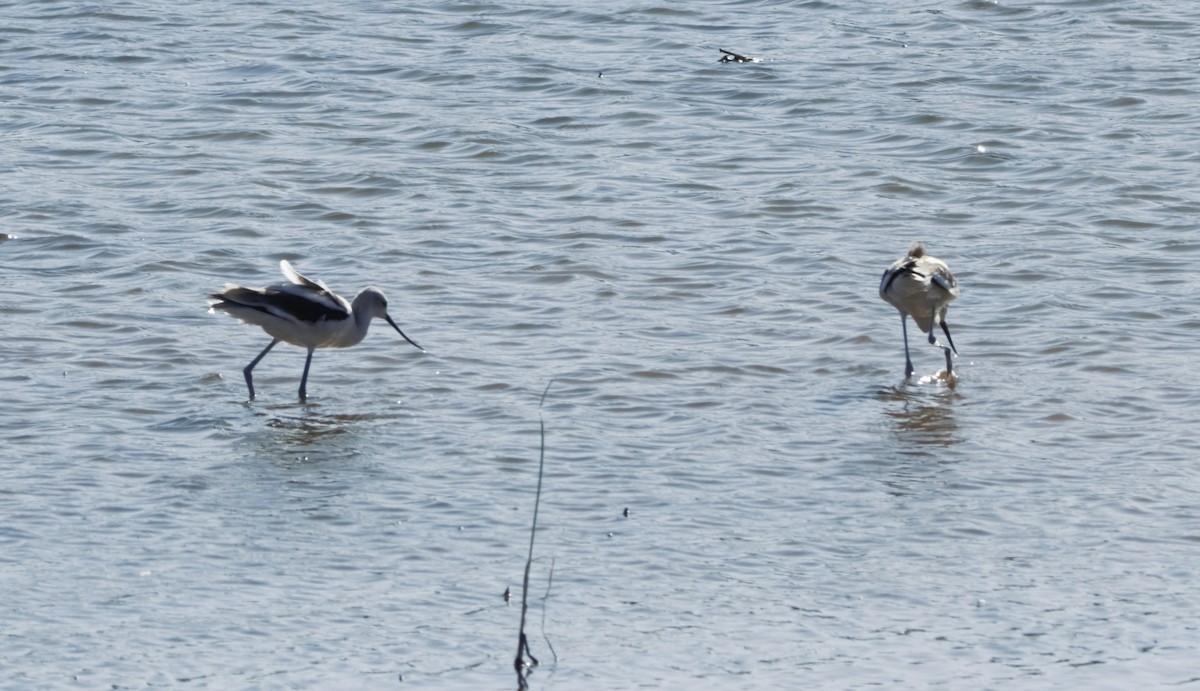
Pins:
x,y
691,251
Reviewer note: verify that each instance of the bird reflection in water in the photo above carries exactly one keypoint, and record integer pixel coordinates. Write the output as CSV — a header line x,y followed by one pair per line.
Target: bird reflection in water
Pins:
x,y
312,435
923,417
313,427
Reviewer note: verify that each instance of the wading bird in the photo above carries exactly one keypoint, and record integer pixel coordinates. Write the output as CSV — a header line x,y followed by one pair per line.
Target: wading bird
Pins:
x,y
921,287
305,313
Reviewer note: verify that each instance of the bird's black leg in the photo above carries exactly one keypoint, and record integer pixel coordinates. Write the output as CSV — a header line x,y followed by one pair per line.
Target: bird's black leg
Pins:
x,y
250,367
946,330
304,377
933,308
908,368
949,365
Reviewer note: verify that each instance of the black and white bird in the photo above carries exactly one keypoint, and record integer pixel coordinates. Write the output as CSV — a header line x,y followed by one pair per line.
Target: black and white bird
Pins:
x,y
305,313
730,56
921,287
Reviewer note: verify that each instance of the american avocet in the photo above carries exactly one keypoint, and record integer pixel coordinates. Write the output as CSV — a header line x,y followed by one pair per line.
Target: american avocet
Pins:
x,y
303,312
921,287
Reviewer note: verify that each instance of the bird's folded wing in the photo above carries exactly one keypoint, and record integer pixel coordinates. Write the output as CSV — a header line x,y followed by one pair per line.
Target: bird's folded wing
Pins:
x,y
290,302
950,286
309,304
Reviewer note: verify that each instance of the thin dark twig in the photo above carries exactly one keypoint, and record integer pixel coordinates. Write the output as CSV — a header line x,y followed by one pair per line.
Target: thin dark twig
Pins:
x,y
522,640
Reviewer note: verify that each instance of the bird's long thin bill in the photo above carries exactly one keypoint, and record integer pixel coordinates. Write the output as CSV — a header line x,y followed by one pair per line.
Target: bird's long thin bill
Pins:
x,y
389,320
946,329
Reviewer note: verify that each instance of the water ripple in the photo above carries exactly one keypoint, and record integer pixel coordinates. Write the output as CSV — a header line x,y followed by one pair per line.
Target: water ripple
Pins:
x,y
691,250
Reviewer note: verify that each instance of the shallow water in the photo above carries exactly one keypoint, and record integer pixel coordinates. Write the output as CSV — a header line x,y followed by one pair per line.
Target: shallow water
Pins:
x,y
691,251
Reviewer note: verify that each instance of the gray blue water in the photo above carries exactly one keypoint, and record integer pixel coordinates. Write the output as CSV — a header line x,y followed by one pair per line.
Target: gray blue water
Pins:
x,y
691,251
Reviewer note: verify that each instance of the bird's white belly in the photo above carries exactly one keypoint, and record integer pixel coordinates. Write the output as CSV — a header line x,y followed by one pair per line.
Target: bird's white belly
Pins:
x,y
914,296
321,334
